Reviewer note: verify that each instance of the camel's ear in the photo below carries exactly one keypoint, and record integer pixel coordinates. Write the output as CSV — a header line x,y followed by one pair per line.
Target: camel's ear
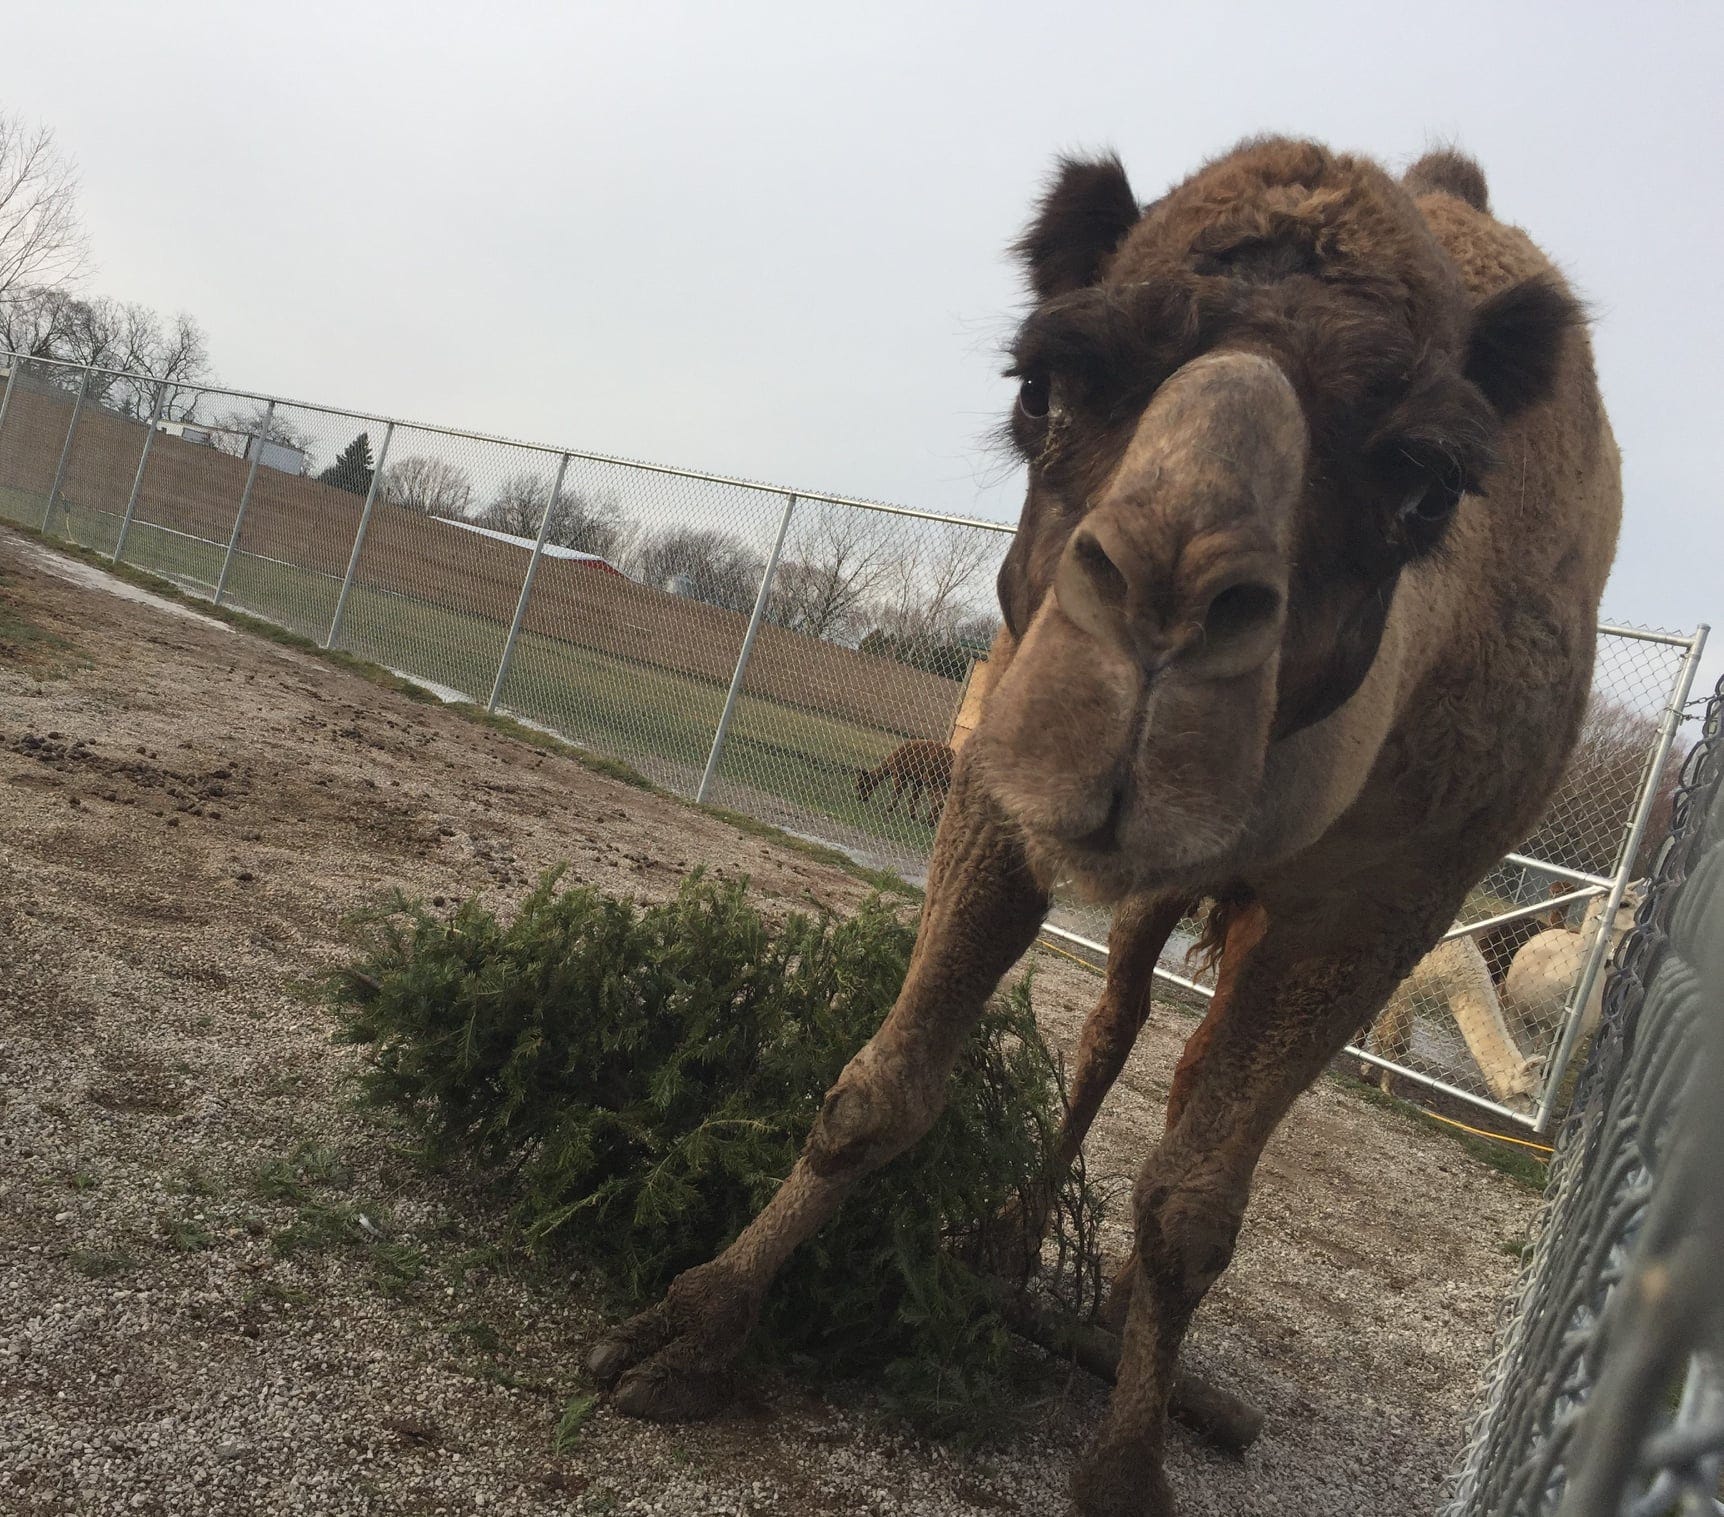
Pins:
x,y
1517,340
1084,216
1446,172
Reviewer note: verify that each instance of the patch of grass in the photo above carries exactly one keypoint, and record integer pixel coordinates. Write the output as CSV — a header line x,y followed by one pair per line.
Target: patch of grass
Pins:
x,y
24,643
316,1228
645,1076
81,1180
883,880
488,1256
478,1336
1519,1164
101,1264
187,1234
194,1180
291,1177
569,1425
396,1268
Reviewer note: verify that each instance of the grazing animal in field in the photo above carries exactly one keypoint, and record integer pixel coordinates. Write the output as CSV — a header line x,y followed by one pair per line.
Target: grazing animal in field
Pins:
x,y
1542,977
920,766
1299,617
1456,976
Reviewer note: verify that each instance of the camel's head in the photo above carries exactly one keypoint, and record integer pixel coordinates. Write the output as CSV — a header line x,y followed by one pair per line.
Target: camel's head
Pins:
x,y
1246,411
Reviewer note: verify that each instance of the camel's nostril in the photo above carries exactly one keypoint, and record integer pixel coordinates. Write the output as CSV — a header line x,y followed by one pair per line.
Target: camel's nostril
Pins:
x,y
1238,611
1105,579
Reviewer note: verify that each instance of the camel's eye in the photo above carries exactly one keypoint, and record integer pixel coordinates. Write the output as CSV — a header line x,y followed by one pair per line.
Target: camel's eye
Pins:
x,y
1035,395
1430,502
1423,515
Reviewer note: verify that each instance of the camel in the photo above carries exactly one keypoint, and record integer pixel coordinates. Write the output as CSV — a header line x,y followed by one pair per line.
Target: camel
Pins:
x,y
1456,976
1299,619
920,765
1543,974
1500,944
1535,990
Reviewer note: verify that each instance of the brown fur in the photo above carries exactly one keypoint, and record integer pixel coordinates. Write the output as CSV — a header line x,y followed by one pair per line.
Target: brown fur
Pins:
x,y
920,766
1300,613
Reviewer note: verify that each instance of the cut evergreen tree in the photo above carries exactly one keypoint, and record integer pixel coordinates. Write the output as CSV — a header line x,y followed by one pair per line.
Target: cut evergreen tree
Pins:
x,y
645,1076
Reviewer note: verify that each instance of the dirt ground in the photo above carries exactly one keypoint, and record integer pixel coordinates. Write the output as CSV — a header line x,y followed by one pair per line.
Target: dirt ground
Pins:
x,y
187,812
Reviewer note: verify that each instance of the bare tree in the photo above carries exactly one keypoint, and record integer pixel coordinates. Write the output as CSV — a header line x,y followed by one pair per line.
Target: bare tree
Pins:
x,y
588,525
518,507
580,521
932,584
1587,820
42,242
232,432
837,556
125,337
707,565
430,486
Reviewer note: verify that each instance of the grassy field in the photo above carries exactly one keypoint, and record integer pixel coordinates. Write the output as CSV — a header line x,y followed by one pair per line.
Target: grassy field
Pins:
x,y
661,721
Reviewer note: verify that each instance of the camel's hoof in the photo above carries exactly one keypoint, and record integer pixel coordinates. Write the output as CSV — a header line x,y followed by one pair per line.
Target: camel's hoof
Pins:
x,y
672,1363
661,1393
1121,1489
626,1346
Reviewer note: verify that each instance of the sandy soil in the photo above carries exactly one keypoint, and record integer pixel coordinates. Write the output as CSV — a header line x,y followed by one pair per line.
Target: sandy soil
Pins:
x,y
186,814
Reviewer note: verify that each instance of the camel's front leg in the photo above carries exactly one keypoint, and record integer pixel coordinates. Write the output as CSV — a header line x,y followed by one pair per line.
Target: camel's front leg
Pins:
x,y
1297,990
1140,930
981,913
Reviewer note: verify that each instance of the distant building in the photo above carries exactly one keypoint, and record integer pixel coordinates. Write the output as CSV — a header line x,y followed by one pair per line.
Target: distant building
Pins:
x,y
274,455
188,431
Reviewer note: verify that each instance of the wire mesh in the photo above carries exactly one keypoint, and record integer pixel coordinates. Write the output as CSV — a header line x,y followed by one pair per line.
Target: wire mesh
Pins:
x,y
847,710
101,454
638,614
302,475
39,406
186,498
1483,1016
1604,1394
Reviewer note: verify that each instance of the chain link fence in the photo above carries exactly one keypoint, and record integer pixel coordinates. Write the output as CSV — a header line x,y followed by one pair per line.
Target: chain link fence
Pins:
x,y
806,659
1606,1391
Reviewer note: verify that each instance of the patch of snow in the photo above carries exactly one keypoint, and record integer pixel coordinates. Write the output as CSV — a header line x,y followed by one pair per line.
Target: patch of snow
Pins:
x,y
88,575
448,694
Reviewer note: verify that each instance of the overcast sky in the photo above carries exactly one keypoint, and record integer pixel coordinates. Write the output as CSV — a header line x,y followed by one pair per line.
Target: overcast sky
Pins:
x,y
768,239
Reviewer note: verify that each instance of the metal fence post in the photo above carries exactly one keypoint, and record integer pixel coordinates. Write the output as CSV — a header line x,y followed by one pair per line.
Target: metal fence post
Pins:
x,y
359,538
754,621
257,438
6,396
1599,949
138,478
526,588
66,451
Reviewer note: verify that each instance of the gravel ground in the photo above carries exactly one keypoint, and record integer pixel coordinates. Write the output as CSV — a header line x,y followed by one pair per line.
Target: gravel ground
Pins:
x,y
224,1289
